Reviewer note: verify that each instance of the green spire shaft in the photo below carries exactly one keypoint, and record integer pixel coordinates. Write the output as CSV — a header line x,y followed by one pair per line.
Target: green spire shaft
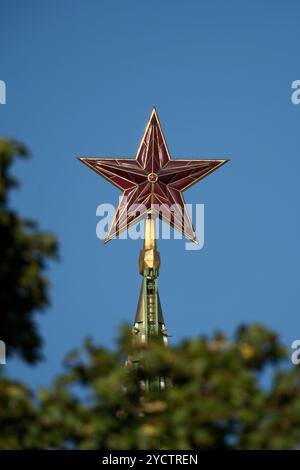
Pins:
x,y
149,322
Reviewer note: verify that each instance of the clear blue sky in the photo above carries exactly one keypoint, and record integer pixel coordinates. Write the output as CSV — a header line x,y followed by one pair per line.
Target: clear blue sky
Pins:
x,y
82,77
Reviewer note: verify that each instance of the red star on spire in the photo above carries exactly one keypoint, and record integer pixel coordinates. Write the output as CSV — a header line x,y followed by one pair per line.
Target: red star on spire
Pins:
x,y
152,181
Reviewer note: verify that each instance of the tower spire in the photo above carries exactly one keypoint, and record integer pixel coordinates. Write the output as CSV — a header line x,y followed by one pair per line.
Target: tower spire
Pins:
x,y
152,181
149,322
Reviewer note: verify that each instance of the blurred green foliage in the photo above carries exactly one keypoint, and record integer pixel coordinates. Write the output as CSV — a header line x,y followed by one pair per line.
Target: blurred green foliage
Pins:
x,y
216,400
24,254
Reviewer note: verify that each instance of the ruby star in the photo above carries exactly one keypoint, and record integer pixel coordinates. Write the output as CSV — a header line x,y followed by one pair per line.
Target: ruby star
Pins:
x,y
152,181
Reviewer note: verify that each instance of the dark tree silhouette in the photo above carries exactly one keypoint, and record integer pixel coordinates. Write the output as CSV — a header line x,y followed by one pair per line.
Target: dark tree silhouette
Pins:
x,y
216,400
24,254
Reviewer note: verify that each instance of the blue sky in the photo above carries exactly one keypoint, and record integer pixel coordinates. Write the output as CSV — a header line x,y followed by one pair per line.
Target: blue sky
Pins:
x,y
81,79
